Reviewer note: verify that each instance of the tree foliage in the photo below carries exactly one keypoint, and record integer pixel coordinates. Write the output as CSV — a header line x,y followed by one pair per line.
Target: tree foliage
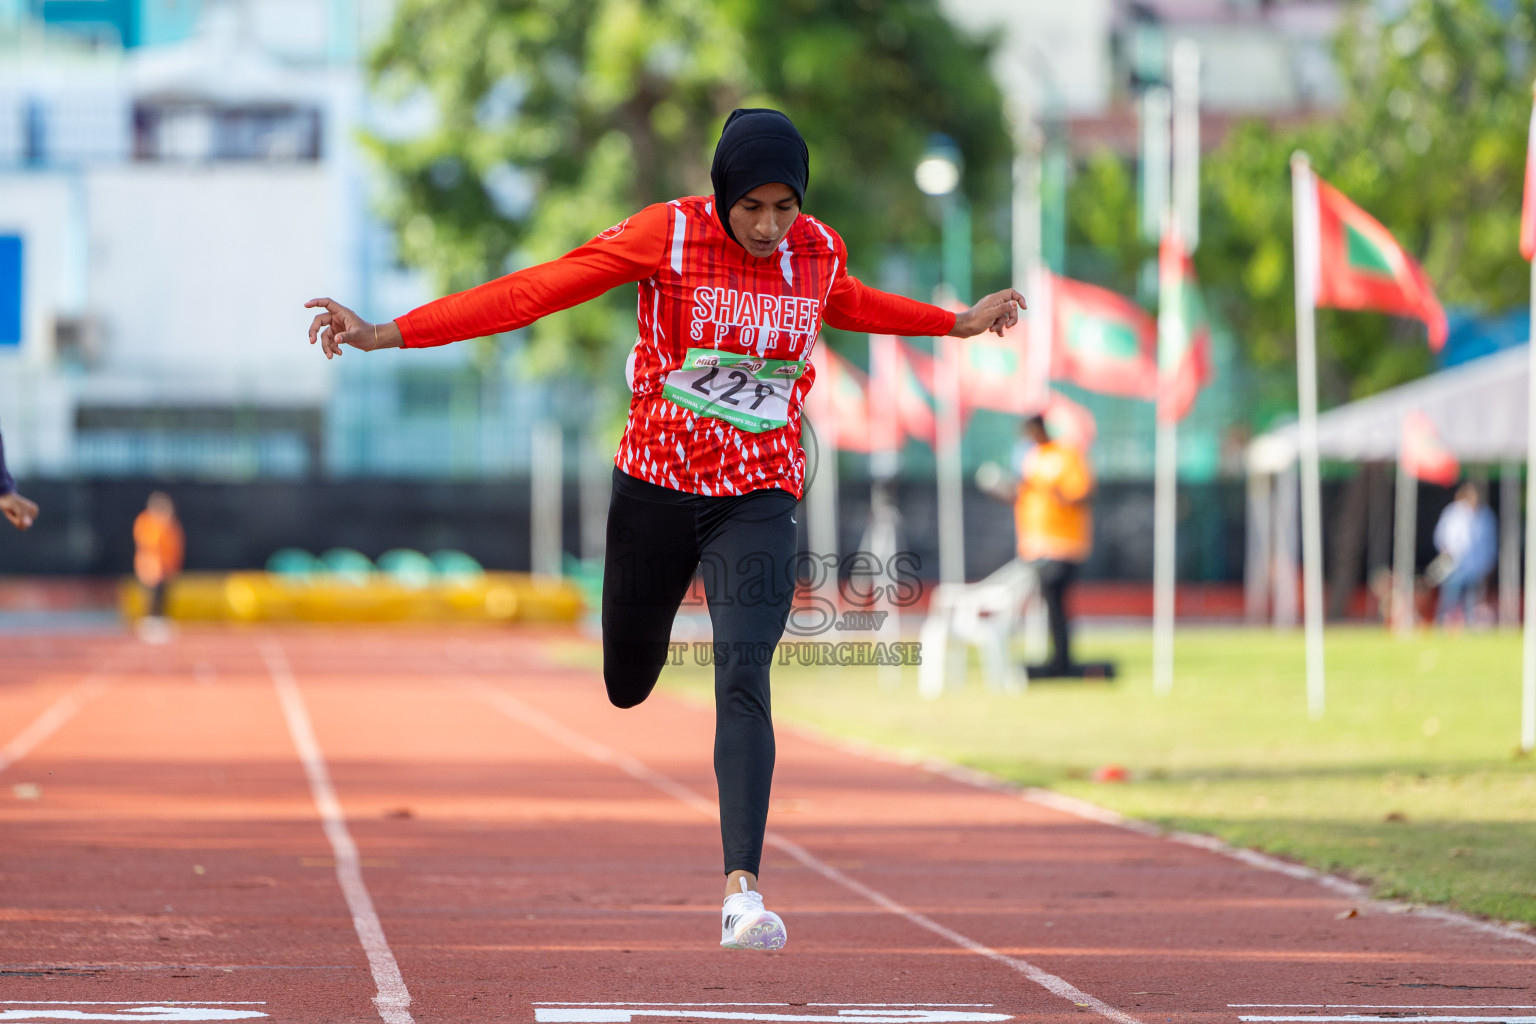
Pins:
x,y
553,119
1430,139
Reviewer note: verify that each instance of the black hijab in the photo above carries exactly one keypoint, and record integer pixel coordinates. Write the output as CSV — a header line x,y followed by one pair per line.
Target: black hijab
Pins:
x,y
757,147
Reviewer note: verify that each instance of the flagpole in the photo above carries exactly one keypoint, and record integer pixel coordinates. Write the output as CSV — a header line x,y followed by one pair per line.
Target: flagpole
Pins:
x,y
1164,491
880,535
1182,214
822,496
1528,666
1304,226
1165,509
1404,544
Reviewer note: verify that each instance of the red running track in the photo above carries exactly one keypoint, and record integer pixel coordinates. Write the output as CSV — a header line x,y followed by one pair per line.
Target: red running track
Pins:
x,y
415,825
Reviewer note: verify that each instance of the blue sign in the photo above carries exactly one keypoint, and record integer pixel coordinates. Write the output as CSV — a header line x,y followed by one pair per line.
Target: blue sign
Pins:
x,y
10,289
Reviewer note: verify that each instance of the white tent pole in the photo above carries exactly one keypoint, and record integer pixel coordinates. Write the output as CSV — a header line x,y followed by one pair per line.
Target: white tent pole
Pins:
x,y
1304,220
1404,546
1528,658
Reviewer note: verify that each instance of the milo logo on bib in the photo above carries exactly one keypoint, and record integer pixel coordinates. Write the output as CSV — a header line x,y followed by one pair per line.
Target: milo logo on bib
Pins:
x,y
748,392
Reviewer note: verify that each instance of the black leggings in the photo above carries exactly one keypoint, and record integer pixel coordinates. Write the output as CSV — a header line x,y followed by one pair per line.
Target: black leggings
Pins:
x,y
745,545
1055,578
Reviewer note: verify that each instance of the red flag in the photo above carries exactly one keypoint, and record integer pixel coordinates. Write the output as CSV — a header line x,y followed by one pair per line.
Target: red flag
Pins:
x,y
1359,265
839,401
1100,340
996,372
1423,455
1184,333
1528,206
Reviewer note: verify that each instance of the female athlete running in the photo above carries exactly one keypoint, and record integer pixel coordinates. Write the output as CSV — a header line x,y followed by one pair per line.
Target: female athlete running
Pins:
x,y
734,289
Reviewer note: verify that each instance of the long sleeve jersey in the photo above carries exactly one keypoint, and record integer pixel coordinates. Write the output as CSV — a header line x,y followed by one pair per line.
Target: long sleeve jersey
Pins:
x,y
709,313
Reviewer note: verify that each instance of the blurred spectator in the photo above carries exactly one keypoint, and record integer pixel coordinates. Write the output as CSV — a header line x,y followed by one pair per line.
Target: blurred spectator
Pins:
x,y
1055,530
17,509
1467,537
158,543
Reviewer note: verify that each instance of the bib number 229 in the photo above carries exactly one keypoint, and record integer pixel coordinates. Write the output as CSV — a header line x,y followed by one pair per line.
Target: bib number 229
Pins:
x,y
745,391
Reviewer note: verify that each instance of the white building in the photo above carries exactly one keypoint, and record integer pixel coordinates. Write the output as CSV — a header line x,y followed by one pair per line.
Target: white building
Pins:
x,y
165,210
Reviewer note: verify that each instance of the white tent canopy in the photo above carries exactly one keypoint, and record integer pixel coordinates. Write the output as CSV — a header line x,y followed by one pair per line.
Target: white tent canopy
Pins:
x,y
1479,409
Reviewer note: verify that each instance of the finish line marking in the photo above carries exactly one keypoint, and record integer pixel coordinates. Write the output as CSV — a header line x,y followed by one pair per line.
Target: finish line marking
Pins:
x,y
392,997
608,1013
537,720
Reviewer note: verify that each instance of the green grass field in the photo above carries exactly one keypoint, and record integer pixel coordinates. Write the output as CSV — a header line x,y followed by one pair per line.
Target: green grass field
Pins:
x,y
1410,782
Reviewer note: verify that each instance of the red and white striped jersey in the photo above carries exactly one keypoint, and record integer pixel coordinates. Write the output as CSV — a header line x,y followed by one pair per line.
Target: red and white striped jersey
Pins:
x,y
700,290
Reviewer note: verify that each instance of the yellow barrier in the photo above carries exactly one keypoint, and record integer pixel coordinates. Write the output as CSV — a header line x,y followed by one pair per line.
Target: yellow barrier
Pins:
x,y
265,597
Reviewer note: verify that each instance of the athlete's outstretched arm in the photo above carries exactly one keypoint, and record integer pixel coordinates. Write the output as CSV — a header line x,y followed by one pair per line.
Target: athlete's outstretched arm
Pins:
x,y
996,313
855,306
13,506
628,251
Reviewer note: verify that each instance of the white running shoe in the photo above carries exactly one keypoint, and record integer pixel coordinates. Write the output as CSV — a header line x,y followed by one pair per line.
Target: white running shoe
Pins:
x,y
745,924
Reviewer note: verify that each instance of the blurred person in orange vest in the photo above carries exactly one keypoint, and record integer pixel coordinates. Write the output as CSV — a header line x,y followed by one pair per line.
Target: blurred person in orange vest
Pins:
x,y
1054,525
159,544
21,512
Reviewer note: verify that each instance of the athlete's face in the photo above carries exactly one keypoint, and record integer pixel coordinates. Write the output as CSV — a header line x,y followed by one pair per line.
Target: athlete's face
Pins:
x,y
761,218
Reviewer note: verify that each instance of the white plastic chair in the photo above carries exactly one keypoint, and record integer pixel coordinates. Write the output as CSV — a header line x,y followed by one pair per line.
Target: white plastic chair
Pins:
x,y
985,615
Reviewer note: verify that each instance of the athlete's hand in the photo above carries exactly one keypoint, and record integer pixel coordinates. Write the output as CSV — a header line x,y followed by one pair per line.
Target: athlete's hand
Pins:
x,y
996,313
21,512
339,326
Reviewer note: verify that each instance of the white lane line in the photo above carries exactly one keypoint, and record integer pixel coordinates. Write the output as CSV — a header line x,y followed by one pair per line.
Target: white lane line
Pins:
x,y
392,998
1089,811
530,716
626,1014
55,715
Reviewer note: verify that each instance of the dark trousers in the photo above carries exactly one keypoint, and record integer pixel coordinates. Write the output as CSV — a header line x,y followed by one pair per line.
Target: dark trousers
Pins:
x,y
745,546
1055,577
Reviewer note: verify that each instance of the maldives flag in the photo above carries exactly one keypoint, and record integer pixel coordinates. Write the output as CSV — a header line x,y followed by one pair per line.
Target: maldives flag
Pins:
x,y
1528,207
1355,263
1100,340
1423,455
996,372
1184,332
839,402
1068,422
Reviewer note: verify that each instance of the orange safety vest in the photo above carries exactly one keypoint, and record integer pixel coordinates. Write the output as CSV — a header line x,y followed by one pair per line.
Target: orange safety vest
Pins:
x,y
1051,513
160,546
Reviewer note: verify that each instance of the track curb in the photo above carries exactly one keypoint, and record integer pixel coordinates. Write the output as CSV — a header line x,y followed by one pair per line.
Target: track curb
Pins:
x,y
1090,811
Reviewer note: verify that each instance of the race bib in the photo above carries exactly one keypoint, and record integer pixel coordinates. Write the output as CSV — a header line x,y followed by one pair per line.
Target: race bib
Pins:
x,y
746,391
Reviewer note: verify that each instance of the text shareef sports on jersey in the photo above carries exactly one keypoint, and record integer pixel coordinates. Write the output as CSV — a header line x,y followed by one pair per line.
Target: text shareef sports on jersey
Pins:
x,y
762,321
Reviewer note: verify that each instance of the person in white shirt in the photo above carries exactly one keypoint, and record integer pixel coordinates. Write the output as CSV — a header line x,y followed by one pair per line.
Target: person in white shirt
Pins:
x,y
1467,537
